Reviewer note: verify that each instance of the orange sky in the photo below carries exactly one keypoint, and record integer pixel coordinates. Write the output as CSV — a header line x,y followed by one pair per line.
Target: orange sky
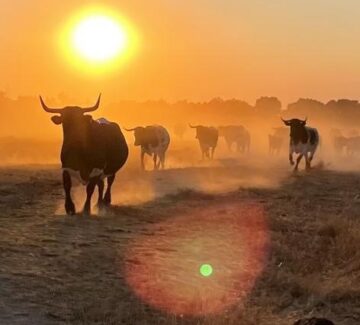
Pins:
x,y
192,49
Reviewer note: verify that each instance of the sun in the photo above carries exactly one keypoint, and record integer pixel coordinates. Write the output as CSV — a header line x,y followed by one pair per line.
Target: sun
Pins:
x,y
99,38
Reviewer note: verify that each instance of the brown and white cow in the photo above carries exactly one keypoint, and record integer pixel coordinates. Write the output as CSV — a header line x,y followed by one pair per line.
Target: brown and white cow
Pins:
x,y
154,141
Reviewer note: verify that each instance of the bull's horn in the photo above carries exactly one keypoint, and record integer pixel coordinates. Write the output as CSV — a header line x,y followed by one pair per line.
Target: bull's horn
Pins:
x,y
193,127
93,108
129,130
305,119
283,120
48,109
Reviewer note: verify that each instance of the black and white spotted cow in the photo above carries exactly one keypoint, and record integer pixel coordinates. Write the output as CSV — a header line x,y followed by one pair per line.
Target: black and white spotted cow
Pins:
x,y
154,141
208,138
303,141
314,321
92,150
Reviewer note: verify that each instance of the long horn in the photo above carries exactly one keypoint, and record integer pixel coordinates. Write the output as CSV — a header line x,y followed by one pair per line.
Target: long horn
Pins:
x,y
93,108
283,120
48,109
193,127
129,130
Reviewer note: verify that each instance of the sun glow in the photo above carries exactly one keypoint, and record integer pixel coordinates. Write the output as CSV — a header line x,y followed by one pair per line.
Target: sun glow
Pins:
x,y
98,39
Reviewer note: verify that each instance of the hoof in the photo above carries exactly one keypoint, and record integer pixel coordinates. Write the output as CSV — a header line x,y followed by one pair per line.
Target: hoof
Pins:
x,y
86,211
106,201
70,209
100,204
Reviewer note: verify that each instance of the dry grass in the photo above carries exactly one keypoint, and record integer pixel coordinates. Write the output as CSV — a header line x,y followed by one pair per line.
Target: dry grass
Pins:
x,y
61,270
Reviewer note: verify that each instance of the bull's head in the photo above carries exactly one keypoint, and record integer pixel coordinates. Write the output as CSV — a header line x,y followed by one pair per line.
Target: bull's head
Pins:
x,y
139,133
195,127
294,122
297,127
73,119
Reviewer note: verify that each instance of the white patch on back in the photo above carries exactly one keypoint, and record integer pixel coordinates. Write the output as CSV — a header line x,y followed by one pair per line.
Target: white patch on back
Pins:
x,y
103,120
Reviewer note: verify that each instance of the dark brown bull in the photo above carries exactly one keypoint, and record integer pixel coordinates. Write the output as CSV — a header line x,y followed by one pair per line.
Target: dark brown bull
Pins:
x,y
208,138
91,149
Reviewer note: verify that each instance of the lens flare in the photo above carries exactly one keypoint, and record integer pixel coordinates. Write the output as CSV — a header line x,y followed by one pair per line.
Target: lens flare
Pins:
x,y
206,270
200,263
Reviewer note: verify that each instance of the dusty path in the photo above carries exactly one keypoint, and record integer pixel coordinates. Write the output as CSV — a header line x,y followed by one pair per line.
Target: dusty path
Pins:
x,y
61,270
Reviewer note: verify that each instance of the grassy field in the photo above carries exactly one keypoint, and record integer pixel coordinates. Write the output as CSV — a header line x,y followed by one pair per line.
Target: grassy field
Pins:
x,y
285,246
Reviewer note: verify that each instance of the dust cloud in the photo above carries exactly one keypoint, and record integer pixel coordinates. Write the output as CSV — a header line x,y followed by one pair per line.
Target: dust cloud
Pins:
x,y
28,137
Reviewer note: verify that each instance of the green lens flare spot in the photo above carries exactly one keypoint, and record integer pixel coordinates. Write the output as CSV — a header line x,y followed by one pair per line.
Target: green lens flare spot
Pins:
x,y
206,270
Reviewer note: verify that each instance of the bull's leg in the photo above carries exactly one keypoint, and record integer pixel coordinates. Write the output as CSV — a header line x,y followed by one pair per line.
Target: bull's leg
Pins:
x,y
142,159
162,161
100,185
69,204
107,197
308,161
291,159
155,162
229,145
212,153
89,192
298,162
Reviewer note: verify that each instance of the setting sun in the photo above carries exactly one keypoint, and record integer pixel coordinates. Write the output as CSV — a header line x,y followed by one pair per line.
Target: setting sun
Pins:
x,y
99,38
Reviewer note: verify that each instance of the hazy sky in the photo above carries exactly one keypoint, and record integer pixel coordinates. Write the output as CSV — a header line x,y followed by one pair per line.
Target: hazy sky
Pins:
x,y
194,49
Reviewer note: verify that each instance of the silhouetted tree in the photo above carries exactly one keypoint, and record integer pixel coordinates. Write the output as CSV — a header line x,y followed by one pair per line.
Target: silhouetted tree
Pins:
x,y
268,106
306,107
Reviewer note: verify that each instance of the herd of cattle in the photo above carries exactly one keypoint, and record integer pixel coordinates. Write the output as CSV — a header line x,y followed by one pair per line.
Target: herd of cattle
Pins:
x,y
95,150
349,145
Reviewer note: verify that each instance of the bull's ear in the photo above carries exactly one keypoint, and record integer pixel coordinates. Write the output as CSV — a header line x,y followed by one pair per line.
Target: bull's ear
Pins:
x,y
56,119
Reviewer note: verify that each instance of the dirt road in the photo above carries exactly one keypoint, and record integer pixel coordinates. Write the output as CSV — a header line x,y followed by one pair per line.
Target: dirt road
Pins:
x,y
296,238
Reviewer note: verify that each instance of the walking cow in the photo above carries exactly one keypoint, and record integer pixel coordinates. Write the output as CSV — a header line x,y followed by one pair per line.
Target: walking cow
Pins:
x,y
154,141
208,138
92,150
303,141
236,134
277,139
